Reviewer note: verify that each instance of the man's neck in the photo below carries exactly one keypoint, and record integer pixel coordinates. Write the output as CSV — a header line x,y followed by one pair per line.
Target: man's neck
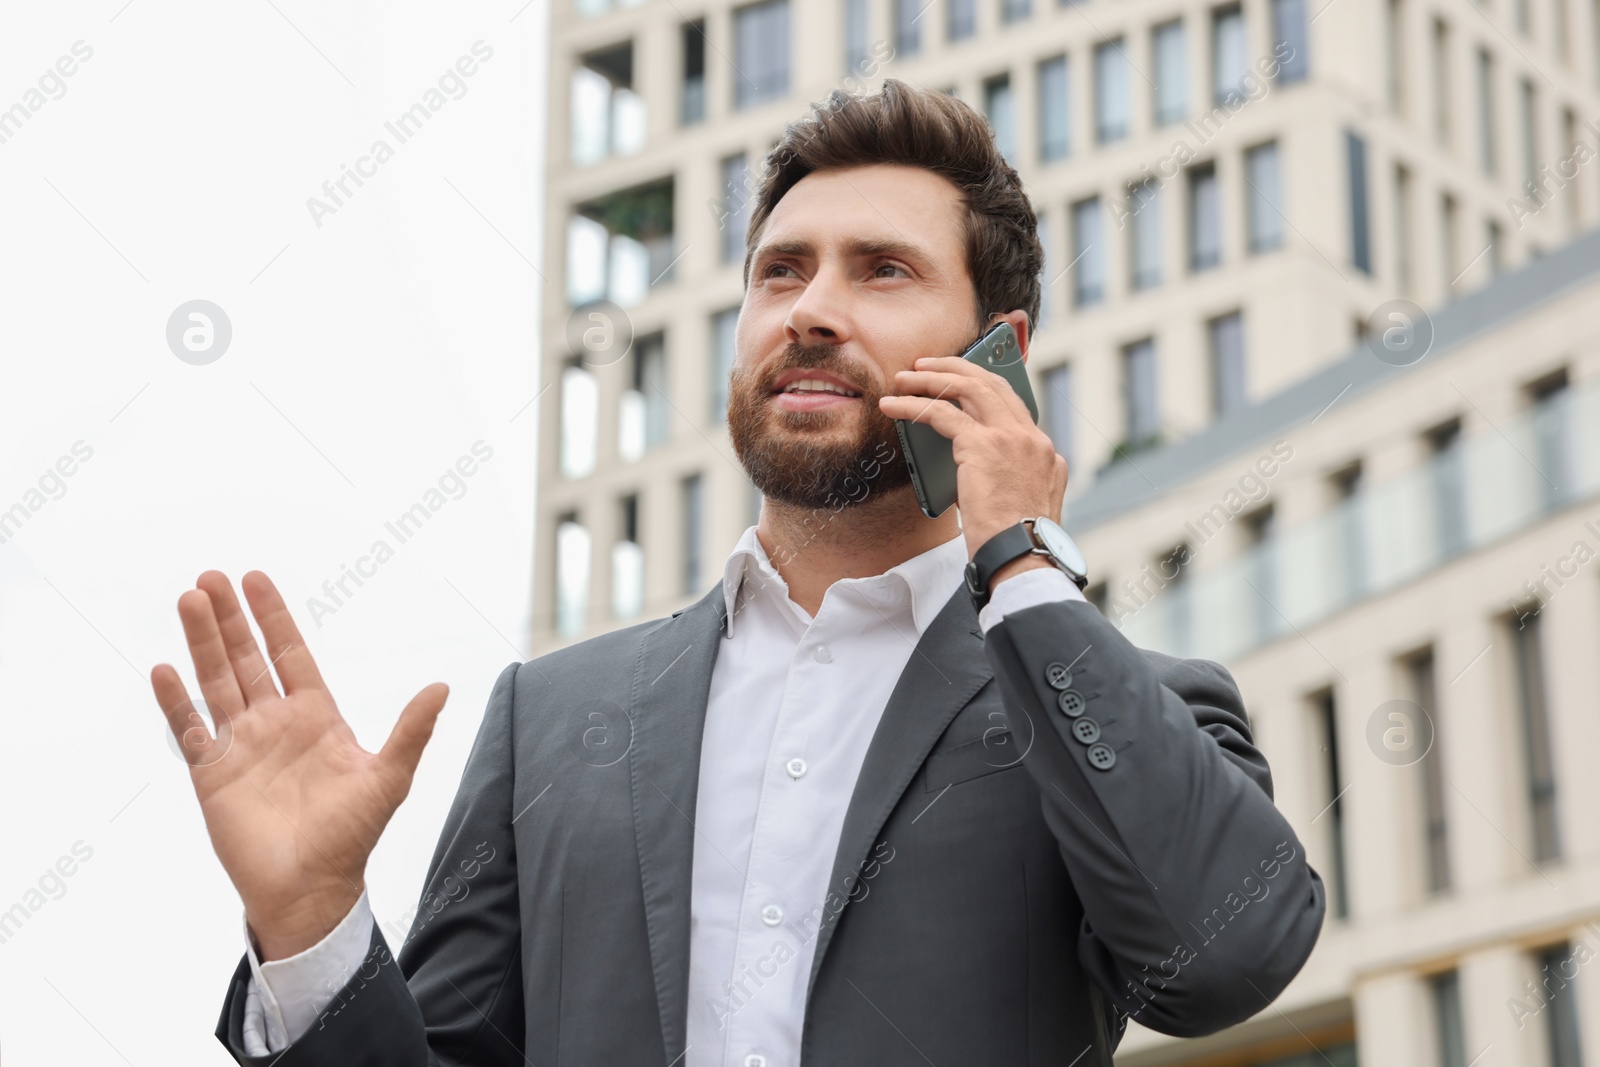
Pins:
x,y
812,548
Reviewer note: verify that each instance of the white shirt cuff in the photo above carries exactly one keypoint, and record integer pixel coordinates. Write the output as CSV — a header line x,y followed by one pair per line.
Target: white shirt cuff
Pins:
x,y
286,996
1042,585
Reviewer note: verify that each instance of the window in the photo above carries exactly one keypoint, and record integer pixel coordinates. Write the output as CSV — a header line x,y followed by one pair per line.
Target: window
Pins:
x,y
620,246
1441,81
1448,480
1264,198
1419,669
1394,47
1445,991
723,325
1261,526
1180,601
1402,229
1447,241
642,420
693,493
761,51
1492,234
1055,109
580,410
1140,414
1360,238
1144,235
1486,147
907,27
1328,725
692,104
1088,253
1110,91
1527,647
1569,128
1561,1013
627,562
962,18
1530,133
1552,436
1047,245
572,575
1205,221
1228,62
1058,408
1012,10
1226,335
997,106
1172,74
1351,511
608,117
855,35
1289,28
734,219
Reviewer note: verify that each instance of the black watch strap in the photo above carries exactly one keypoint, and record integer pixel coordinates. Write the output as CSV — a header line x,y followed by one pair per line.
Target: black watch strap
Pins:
x,y
1002,548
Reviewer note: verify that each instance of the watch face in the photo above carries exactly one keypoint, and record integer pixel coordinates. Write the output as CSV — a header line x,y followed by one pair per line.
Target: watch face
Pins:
x,y
1059,545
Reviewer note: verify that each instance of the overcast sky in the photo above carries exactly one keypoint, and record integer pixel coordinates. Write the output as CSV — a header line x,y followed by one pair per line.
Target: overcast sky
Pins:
x,y
376,340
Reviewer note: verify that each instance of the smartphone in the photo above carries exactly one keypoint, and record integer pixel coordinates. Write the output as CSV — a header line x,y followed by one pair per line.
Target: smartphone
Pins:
x,y
928,453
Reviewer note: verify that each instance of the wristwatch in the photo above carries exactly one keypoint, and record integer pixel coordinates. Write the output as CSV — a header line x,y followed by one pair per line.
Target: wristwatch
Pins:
x,y
1039,536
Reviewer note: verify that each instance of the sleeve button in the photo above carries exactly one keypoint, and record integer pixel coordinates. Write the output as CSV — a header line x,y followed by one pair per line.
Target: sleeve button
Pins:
x,y
1059,675
1101,758
1070,701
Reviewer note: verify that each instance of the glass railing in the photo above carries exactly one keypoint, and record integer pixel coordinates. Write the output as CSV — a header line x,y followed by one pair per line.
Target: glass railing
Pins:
x,y
1477,491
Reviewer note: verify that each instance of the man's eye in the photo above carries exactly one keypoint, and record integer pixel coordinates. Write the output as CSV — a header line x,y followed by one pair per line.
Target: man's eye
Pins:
x,y
892,266
766,272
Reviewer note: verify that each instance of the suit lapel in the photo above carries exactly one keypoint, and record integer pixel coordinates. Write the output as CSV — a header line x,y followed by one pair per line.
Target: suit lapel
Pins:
x,y
671,686
944,673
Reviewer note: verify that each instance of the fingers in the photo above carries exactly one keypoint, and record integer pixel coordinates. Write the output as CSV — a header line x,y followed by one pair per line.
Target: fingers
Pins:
x,y
210,655
296,667
250,668
942,415
194,740
403,751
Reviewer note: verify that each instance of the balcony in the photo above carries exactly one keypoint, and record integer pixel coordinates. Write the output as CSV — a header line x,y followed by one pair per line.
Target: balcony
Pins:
x,y
1482,489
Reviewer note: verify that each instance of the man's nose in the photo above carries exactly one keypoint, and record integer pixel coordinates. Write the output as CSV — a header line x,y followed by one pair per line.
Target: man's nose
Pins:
x,y
820,314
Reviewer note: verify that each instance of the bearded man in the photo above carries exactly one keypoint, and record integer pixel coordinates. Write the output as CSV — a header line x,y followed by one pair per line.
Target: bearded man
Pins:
x,y
892,791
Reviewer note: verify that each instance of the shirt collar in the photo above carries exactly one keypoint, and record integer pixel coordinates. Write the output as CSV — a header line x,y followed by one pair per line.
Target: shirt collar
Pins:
x,y
929,578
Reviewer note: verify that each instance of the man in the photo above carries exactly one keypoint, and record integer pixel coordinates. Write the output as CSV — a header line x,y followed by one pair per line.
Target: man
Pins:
x,y
859,804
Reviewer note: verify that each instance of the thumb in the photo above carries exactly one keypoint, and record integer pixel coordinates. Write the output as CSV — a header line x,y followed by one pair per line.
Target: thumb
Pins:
x,y
403,751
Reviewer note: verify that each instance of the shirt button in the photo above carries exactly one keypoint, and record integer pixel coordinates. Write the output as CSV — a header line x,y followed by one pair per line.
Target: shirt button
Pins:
x,y
796,767
772,915
822,654
754,1060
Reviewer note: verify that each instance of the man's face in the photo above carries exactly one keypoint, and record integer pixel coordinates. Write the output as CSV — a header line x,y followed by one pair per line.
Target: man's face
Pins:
x,y
858,273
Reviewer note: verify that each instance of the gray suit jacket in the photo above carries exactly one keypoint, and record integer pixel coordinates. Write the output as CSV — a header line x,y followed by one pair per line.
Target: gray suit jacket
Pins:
x,y
1021,919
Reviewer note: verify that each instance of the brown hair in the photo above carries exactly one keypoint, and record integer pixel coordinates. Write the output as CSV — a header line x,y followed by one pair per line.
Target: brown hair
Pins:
x,y
930,129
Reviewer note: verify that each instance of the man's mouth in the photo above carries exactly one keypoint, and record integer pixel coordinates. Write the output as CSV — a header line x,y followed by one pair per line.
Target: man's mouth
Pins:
x,y
813,394
817,385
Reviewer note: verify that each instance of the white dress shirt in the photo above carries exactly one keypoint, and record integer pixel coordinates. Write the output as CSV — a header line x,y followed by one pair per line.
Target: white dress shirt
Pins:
x,y
793,705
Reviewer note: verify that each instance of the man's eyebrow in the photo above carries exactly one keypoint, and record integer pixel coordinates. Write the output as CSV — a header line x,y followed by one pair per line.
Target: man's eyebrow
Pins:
x,y
858,247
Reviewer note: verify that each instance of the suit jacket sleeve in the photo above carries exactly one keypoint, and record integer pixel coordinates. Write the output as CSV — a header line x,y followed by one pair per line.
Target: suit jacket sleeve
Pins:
x,y
1199,906
455,993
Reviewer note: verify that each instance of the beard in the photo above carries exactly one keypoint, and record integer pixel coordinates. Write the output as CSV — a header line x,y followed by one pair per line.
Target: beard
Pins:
x,y
785,453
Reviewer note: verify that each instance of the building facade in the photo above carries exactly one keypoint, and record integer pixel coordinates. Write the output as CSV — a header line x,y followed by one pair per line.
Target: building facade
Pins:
x,y
1235,199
